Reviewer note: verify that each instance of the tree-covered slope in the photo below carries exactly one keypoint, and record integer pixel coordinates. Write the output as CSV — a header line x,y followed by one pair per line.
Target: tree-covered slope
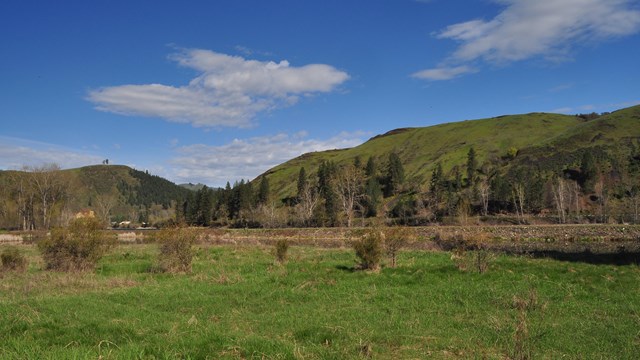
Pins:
x,y
136,187
113,192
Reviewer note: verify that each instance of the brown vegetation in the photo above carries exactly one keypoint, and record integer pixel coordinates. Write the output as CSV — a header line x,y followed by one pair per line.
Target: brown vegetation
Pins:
x,y
13,260
77,247
176,250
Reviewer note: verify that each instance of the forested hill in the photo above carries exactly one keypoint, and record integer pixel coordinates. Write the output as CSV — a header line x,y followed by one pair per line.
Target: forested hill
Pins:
x,y
135,187
549,141
113,192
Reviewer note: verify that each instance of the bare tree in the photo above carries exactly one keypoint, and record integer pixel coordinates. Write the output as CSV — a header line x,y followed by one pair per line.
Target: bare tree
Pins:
x,y
484,189
560,192
349,185
104,203
602,192
49,188
307,203
24,198
270,216
518,196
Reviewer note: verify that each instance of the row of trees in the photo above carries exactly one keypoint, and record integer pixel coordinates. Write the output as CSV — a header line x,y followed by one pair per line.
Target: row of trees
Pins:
x,y
333,196
595,187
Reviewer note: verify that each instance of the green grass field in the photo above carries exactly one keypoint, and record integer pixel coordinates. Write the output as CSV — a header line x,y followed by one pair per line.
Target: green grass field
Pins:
x,y
238,303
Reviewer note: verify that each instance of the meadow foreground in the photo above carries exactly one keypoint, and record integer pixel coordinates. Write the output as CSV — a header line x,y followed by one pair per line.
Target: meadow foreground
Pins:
x,y
239,303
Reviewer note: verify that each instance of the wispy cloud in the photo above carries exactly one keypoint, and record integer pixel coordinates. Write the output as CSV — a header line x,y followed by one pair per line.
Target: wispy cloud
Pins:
x,y
228,92
444,73
561,87
248,158
537,28
16,153
595,107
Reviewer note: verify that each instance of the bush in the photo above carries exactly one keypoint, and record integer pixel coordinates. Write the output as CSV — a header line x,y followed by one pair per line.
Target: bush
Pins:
x,y
282,246
13,260
474,261
369,249
468,253
395,239
77,247
176,253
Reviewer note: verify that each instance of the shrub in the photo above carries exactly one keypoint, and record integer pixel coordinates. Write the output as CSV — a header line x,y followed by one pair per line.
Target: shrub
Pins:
x,y
475,261
469,253
282,246
395,239
13,260
176,253
77,247
369,249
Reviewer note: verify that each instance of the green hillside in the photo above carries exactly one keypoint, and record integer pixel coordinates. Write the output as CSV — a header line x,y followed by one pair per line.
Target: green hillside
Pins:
x,y
536,136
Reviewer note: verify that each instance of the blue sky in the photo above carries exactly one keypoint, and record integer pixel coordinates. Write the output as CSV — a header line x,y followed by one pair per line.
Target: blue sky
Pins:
x,y
216,91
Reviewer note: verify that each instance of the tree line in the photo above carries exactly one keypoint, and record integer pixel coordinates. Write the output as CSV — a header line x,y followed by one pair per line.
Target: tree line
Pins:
x,y
587,185
595,186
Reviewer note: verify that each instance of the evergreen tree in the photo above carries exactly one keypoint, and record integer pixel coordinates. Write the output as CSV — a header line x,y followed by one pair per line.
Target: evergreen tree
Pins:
x,y
395,175
371,170
435,185
501,193
302,182
326,189
204,206
191,209
457,178
372,193
263,191
472,165
243,197
357,162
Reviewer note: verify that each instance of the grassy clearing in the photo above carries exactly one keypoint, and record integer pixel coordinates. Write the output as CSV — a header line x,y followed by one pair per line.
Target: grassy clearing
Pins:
x,y
239,303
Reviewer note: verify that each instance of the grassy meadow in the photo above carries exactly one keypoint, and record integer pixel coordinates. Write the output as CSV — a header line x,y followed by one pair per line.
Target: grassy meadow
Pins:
x,y
239,303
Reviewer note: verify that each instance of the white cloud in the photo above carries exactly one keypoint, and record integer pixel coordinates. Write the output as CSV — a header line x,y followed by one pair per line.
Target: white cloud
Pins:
x,y
248,158
532,28
229,92
443,73
595,107
562,110
561,87
16,153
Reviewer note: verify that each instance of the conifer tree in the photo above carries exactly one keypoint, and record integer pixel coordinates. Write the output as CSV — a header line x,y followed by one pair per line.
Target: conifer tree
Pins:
x,y
263,191
472,164
326,189
395,175
302,183
372,197
371,169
